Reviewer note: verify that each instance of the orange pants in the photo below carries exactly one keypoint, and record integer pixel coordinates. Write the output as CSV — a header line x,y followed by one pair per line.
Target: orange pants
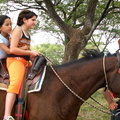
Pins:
x,y
16,67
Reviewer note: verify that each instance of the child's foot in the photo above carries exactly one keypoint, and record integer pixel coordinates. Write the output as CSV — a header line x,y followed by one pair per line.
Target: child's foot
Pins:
x,y
9,118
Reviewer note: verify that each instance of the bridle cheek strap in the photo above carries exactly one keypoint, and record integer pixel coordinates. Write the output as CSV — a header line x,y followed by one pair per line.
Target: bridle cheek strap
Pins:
x,y
105,74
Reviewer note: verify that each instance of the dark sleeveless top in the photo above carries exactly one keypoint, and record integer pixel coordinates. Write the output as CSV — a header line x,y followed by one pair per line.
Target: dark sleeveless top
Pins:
x,y
22,42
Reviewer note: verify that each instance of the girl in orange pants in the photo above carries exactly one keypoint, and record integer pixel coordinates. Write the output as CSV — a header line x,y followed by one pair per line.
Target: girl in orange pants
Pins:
x,y
16,74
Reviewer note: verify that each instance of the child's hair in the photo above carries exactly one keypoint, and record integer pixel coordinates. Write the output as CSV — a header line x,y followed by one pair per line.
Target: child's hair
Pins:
x,y
25,14
2,19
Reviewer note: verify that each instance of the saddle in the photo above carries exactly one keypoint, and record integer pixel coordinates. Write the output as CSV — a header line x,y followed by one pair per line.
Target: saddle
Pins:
x,y
32,74
36,71
38,62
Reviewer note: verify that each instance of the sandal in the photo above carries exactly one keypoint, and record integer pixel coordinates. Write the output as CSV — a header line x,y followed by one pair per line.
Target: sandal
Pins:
x,y
9,118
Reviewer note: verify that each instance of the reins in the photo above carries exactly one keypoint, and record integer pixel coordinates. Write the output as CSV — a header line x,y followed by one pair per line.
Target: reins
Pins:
x,y
75,94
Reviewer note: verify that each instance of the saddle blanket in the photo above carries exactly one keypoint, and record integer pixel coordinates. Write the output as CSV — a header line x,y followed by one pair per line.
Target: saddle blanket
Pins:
x,y
31,88
38,85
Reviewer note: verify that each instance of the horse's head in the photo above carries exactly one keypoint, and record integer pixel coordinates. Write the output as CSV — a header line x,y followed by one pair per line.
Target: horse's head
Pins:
x,y
114,84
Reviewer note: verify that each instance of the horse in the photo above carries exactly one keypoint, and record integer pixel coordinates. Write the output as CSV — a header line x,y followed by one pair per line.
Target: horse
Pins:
x,y
56,102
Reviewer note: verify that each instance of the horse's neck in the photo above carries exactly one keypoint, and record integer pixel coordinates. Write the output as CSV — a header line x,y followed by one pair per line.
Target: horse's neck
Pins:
x,y
89,77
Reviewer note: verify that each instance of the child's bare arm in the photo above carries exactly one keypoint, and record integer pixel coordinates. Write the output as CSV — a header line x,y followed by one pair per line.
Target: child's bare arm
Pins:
x,y
4,48
7,49
112,105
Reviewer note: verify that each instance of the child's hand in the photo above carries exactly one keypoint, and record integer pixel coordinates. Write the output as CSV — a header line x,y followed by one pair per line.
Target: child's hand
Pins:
x,y
113,106
34,53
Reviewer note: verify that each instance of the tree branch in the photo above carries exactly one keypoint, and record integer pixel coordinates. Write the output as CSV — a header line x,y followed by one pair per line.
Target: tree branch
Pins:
x,y
74,9
89,19
101,18
64,27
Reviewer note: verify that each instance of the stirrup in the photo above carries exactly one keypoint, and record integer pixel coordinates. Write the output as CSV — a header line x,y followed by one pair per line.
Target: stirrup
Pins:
x,y
9,118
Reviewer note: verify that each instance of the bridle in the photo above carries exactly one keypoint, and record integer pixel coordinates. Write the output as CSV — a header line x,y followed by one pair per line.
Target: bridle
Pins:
x,y
106,80
118,57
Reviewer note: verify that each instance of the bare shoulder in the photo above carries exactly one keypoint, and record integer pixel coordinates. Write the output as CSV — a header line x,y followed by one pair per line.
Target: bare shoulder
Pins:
x,y
17,31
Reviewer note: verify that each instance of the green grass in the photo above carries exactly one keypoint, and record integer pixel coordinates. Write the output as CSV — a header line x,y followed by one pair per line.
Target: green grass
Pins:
x,y
89,113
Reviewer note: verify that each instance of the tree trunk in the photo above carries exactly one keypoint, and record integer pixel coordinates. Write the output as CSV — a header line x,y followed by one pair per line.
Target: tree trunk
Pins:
x,y
74,46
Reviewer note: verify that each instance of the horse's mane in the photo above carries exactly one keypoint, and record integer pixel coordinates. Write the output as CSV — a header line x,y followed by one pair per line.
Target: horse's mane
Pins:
x,y
89,54
92,54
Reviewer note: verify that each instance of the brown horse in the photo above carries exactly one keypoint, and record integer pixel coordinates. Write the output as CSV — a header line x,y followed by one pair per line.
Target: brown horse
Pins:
x,y
84,77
